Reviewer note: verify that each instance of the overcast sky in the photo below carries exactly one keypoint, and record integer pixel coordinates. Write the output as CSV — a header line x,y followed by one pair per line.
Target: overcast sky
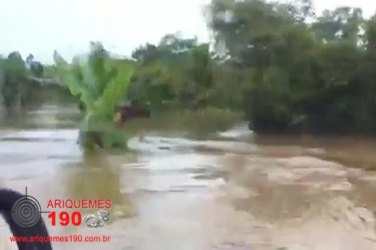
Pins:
x,y
41,26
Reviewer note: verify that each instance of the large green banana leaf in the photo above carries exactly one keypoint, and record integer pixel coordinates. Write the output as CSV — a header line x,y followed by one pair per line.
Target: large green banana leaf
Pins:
x,y
100,83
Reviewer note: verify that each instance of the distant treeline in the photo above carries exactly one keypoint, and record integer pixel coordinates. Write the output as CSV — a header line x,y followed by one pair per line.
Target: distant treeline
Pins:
x,y
286,67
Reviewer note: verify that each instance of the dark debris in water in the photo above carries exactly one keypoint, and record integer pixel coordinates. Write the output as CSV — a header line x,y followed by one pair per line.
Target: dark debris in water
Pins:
x,y
24,177
209,150
190,187
152,191
211,176
233,246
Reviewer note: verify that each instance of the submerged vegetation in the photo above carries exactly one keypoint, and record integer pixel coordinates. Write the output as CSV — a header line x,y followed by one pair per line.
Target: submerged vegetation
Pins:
x,y
185,123
99,83
301,71
13,86
283,66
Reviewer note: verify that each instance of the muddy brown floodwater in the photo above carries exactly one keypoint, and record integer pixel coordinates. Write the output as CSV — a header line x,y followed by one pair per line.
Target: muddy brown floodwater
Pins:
x,y
239,192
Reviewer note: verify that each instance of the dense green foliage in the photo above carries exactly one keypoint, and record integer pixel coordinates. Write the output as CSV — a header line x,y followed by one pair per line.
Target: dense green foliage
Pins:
x,y
15,84
13,75
316,76
286,68
176,73
99,83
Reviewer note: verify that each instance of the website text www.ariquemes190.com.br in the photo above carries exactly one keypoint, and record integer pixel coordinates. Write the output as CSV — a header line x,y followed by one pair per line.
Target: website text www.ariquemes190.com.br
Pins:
x,y
61,239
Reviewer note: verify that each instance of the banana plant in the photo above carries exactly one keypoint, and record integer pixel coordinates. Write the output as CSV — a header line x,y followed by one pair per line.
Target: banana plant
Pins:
x,y
99,82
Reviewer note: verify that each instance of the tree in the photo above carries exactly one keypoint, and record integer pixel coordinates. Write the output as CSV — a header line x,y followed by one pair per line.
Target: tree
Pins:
x,y
344,23
36,68
99,82
297,74
176,72
13,80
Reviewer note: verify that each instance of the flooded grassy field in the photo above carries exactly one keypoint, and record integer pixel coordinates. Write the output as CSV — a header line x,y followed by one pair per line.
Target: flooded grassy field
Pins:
x,y
237,191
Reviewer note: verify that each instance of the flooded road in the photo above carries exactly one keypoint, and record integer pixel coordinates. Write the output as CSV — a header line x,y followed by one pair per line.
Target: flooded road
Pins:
x,y
239,192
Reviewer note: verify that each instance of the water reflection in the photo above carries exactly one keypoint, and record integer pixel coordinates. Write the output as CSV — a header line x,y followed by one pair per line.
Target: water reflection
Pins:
x,y
98,176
